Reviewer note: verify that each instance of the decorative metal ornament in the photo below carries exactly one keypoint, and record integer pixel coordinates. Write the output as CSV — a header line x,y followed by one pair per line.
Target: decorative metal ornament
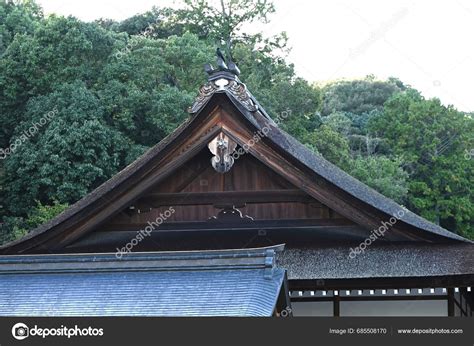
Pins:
x,y
222,148
230,213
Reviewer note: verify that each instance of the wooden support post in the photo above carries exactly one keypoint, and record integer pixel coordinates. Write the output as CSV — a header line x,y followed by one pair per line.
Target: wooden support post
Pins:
x,y
450,301
337,306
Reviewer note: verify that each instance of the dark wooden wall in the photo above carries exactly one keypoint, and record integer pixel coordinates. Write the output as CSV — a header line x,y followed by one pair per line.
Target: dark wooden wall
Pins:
x,y
198,177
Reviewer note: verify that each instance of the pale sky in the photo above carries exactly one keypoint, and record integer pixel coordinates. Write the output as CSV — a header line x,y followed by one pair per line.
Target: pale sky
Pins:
x,y
427,44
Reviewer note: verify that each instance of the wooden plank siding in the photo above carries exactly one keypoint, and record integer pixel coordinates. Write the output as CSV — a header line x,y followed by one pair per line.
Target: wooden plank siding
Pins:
x,y
260,193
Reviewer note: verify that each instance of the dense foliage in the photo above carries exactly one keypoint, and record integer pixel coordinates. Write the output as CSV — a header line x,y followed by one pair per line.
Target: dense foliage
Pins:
x,y
99,94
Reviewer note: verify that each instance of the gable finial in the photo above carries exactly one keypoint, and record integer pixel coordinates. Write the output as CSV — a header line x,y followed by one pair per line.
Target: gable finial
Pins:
x,y
221,60
225,67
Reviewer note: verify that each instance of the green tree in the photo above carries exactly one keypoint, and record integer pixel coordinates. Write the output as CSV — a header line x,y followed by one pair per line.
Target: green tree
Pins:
x,y
16,227
43,213
358,96
60,50
382,174
157,23
432,140
71,154
224,23
331,145
17,18
338,122
148,85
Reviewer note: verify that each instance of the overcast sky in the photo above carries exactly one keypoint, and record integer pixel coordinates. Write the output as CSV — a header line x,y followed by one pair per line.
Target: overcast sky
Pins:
x,y
427,44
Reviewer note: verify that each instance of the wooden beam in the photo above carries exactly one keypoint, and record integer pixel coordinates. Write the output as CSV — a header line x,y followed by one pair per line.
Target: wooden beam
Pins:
x,y
127,191
336,308
228,197
371,299
447,281
293,224
451,302
336,199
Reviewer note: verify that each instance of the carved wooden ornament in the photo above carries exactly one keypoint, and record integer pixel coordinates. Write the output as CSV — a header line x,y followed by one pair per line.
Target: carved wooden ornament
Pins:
x,y
222,148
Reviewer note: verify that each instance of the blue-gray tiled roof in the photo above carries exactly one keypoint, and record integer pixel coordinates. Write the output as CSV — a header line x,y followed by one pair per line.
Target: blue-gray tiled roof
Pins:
x,y
225,283
198,293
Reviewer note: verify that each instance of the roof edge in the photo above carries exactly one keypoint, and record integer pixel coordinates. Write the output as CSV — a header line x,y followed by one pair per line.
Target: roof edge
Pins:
x,y
253,258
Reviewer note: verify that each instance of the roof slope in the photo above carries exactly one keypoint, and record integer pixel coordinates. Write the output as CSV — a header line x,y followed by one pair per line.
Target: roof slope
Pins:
x,y
227,86
380,260
356,188
103,189
244,283
317,163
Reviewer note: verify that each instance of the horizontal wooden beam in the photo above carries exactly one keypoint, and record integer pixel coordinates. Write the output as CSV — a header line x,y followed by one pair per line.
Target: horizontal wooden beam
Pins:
x,y
427,296
227,197
455,280
248,225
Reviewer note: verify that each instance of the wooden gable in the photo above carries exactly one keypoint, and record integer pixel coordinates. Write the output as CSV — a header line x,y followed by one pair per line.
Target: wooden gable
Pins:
x,y
275,183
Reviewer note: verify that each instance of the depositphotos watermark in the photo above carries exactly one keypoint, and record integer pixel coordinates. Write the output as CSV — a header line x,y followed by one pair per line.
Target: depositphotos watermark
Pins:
x,y
143,233
257,137
377,233
21,331
379,33
27,134
131,44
